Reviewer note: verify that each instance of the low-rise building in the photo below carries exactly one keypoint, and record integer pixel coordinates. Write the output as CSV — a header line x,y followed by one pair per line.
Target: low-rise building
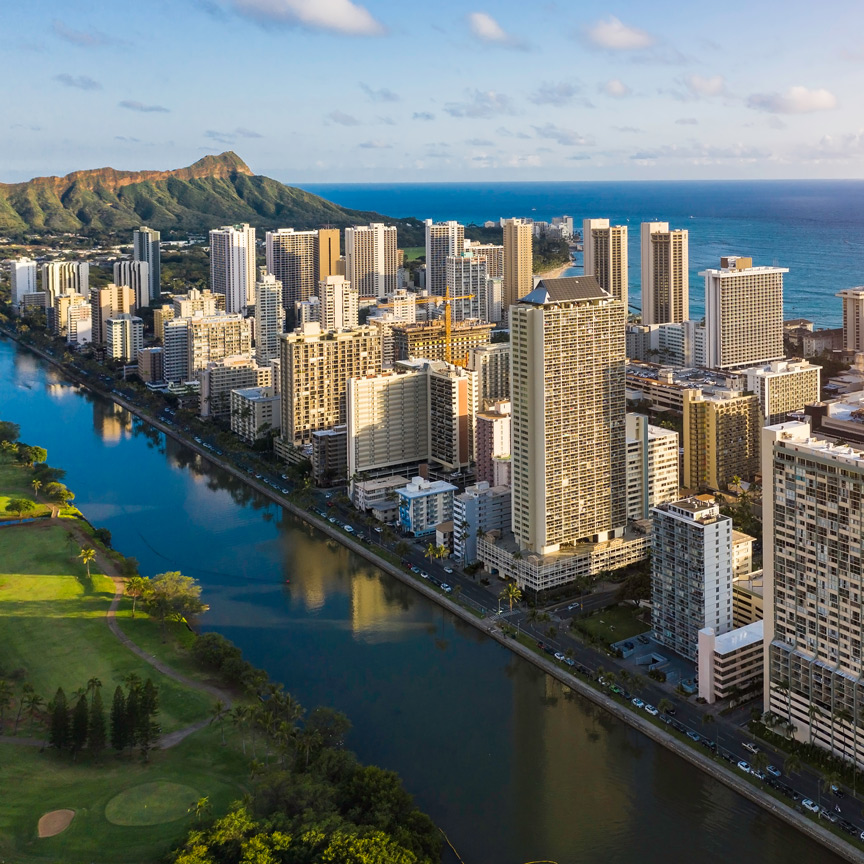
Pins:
x,y
220,377
748,603
477,510
151,368
255,412
424,504
330,456
783,386
366,494
841,419
730,664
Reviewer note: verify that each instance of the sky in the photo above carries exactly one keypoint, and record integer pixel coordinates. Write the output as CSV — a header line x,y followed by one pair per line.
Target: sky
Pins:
x,y
400,91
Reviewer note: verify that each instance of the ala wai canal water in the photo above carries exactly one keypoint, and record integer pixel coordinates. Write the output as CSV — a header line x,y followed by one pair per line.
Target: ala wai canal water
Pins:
x,y
512,765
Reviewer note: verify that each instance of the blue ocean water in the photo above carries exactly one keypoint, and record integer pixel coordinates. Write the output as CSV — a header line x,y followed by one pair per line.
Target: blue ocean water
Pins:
x,y
813,227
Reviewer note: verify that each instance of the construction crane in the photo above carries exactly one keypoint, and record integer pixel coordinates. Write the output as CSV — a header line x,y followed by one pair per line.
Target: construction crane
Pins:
x,y
417,298
448,326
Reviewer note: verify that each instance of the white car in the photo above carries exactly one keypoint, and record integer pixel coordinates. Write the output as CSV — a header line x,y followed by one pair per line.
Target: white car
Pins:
x,y
745,767
348,528
448,569
812,806
652,710
638,702
446,588
559,656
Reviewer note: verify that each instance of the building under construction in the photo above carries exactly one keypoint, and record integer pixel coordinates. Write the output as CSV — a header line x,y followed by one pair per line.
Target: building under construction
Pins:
x,y
428,340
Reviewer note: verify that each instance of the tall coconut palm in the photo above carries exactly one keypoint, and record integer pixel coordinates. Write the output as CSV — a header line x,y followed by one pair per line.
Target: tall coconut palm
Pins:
x,y
136,588
37,485
217,715
792,763
87,555
512,593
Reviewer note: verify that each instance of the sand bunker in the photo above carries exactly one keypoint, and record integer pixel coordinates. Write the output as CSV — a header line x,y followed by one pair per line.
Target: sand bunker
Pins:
x,y
55,822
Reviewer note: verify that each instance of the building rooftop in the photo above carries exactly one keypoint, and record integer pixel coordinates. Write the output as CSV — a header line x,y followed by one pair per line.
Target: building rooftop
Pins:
x,y
419,488
565,289
377,483
735,640
741,537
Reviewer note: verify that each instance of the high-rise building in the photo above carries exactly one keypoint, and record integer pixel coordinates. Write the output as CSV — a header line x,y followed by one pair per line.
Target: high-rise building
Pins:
x,y
145,247
160,315
65,277
175,343
479,508
691,573
665,274
22,274
492,438
493,254
466,278
813,583
518,261
58,316
292,259
124,337
721,438
316,366
134,275
327,254
198,302
79,326
269,317
339,304
218,378
215,337
371,264
568,414
783,386
652,466
151,367
853,319
743,314
443,240
605,256
491,362
109,302
232,265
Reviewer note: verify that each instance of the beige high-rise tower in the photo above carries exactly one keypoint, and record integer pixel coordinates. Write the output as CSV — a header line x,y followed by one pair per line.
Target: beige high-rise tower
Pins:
x,y
605,256
853,318
518,261
665,274
371,262
568,415
443,239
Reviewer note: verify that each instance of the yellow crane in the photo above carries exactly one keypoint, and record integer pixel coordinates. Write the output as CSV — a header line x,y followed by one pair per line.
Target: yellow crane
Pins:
x,y
448,326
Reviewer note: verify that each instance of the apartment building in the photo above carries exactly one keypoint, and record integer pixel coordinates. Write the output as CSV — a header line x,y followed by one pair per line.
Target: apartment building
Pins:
x,y
269,317
479,509
146,249
124,337
65,277
219,377
492,441
466,278
109,302
428,340
665,262
233,265
518,261
425,504
197,302
652,466
134,275
255,412
371,263
491,362
783,386
443,240
605,256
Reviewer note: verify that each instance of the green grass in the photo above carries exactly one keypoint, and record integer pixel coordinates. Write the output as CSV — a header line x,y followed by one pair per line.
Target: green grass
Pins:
x,y
48,781
53,631
15,482
412,253
151,804
614,624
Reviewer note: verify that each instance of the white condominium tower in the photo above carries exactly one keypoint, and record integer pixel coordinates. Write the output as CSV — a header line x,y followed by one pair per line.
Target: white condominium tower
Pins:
x,y
518,261
339,304
22,273
813,586
568,415
371,264
743,314
443,239
145,247
605,256
65,277
853,319
665,274
232,265
466,277
134,275
269,317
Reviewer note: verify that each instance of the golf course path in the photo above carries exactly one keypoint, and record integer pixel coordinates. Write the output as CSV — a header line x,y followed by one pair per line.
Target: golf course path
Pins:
x,y
172,738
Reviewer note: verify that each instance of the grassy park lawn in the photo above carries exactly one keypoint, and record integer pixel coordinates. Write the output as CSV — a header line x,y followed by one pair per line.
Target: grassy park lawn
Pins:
x,y
412,253
124,787
15,480
616,623
53,631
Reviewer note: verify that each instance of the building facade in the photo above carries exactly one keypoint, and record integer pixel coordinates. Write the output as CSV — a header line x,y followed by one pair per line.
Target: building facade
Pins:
x,y
371,263
134,275
491,362
665,274
652,467
232,265
479,509
109,302
145,247
269,317
22,276
443,239
853,319
783,386
492,438
255,412
425,504
124,338
605,256
428,340
518,261
219,377
65,277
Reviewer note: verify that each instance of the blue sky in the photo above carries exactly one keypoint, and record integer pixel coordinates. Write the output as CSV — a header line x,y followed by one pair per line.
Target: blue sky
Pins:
x,y
381,90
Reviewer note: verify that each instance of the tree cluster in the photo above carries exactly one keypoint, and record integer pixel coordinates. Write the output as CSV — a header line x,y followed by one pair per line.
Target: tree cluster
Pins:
x,y
169,596
133,716
78,724
216,654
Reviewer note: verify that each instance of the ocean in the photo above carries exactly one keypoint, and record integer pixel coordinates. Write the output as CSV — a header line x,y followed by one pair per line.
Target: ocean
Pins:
x,y
813,227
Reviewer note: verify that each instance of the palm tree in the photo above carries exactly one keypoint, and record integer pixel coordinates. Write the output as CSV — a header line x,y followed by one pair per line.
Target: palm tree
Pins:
x,y
37,485
663,705
240,717
431,551
814,713
87,555
93,685
760,762
512,593
217,715
792,763
35,703
136,588
710,720
26,690
200,808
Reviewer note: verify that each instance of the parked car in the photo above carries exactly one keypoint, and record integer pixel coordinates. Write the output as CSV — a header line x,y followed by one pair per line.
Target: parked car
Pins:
x,y
446,588
745,767
837,791
559,655
810,805
652,710
638,702
773,771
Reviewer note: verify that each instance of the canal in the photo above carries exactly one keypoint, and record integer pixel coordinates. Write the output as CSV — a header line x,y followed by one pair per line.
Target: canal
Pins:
x,y
514,766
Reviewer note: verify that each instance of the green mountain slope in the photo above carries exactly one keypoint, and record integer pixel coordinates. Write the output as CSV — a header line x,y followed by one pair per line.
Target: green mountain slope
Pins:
x,y
215,191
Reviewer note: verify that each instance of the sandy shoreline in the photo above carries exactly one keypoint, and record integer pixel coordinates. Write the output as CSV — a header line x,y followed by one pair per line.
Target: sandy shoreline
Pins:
x,y
555,272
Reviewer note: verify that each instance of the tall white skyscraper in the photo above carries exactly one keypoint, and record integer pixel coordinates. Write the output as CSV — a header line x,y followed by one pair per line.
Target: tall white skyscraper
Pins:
x,y
65,277
145,247
371,262
568,415
605,256
466,277
443,239
135,275
22,274
665,274
339,304
269,317
743,314
232,265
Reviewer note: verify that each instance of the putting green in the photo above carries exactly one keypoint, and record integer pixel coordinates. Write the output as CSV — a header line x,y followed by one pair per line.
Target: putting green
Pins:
x,y
151,804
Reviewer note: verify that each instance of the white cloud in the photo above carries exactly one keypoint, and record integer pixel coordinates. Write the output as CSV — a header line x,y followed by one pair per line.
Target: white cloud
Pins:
x,y
567,137
706,87
382,95
84,38
487,29
134,105
342,118
702,153
558,95
422,115
613,35
80,82
831,147
337,16
482,104
796,100
686,121
615,88
376,145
